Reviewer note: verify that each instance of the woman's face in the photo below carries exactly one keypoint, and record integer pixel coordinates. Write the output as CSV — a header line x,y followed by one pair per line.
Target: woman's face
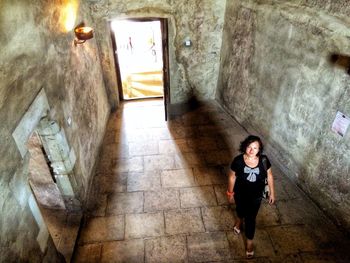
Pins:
x,y
253,149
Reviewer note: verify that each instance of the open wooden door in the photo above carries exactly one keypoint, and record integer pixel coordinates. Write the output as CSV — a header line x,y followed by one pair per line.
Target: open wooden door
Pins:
x,y
116,63
166,78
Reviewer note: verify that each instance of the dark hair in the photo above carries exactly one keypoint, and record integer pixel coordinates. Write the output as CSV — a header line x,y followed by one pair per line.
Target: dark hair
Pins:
x,y
250,139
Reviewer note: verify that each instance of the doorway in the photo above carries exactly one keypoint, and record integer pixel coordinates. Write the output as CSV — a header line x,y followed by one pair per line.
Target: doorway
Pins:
x,y
139,53
140,48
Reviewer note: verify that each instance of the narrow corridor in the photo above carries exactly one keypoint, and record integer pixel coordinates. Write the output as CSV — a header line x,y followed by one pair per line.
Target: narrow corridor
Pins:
x,y
159,196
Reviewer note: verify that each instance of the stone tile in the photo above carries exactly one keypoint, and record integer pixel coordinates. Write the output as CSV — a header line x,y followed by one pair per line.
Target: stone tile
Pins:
x,y
330,240
183,221
205,144
111,183
143,148
123,251
204,247
173,146
174,121
88,254
232,138
144,225
292,239
134,164
268,215
104,166
98,229
181,132
291,258
115,150
149,134
194,119
146,181
159,162
209,175
197,197
166,249
177,178
153,118
218,218
220,192
298,211
290,188
281,193
237,245
163,199
114,123
111,137
325,258
263,246
303,237
221,157
188,160
226,121
145,117
123,203
209,130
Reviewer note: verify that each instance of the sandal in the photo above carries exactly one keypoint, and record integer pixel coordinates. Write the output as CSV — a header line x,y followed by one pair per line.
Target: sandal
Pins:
x,y
249,254
236,230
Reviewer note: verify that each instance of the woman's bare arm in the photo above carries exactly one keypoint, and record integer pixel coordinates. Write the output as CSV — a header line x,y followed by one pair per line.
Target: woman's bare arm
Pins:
x,y
270,182
231,184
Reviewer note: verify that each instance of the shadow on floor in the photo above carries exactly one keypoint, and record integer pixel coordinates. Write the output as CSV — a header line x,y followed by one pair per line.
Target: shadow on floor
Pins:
x,y
159,196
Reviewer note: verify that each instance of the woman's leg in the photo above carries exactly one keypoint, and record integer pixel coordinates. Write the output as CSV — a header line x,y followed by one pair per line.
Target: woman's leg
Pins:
x,y
250,248
250,245
250,219
240,210
250,228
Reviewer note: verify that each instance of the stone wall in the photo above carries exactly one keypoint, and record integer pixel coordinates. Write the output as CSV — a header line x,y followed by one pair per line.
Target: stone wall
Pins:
x,y
276,80
193,70
37,56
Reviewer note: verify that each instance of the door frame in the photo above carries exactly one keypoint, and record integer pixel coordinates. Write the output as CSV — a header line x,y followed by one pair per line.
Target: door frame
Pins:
x,y
165,52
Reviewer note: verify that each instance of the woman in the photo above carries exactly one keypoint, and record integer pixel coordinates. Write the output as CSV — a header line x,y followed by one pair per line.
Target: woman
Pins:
x,y
246,181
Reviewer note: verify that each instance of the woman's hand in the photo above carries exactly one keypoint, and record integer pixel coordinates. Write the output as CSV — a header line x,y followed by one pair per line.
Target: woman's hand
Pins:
x,y
271,199
271,186
230,199
230,187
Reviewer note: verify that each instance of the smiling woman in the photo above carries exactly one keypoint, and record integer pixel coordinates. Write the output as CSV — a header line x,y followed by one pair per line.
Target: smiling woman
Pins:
x,y
246,184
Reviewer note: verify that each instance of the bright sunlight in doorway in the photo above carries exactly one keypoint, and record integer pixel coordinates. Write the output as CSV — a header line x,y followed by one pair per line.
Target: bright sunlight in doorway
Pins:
x,y
140,58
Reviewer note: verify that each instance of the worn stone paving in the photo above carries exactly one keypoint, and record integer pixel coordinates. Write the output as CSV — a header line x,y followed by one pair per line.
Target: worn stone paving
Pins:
x,y
159,196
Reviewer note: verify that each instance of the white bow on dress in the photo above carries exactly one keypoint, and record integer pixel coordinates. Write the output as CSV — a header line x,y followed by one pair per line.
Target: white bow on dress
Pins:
x,y
252,173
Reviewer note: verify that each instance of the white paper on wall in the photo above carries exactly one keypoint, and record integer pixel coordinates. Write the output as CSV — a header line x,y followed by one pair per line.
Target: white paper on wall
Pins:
x,y
340,123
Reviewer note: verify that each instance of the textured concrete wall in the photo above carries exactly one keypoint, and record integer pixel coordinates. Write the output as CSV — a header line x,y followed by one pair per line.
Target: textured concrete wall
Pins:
x,y
37,52
193,70
275,79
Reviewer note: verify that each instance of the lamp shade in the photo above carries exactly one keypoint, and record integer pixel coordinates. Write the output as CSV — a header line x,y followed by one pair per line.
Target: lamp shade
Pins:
x,y
83,32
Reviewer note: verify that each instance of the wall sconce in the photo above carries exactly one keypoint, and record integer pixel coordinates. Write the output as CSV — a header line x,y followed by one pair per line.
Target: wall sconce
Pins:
x,y
82,33
341,61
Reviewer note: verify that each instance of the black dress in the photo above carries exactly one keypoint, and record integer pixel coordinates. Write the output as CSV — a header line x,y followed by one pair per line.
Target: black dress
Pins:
x,y
248,188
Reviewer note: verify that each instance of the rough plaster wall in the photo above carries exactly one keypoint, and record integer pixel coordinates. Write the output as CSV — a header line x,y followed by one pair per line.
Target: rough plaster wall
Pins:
x,y
35,53
276,80
193,70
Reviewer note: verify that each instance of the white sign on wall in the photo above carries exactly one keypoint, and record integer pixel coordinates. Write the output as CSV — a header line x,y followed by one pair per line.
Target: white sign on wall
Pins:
x,y
340,124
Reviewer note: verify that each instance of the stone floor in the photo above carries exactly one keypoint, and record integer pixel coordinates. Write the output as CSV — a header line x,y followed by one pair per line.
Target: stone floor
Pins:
x,y
159,196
